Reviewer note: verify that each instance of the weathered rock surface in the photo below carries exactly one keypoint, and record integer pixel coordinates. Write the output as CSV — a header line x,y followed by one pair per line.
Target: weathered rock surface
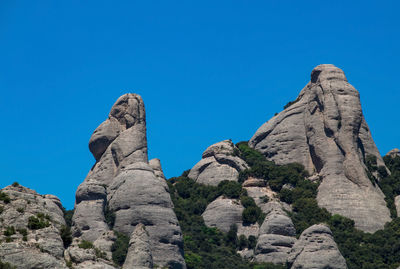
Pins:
x,y
139,252
218,163
316,249
155,164
397,204
276,235
124,182
324,129
394,153
273,248
222,213
40,248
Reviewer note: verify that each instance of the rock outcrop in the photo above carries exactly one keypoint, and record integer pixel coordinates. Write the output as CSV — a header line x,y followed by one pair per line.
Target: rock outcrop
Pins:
x,y
218,163
124,183
324,130
222,213
139,252
30,226
394,153
316,249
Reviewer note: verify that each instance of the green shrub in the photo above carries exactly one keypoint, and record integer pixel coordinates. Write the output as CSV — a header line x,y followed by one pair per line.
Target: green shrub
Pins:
x,y
15,184
371,163
251,214
23,231
247,201
243,242
6,265
10,230
20,209
252,242
289,104
204,247
109,216
66,236
120,248
4,197
100,254
68,214
1,209
85,244
230,189
35,223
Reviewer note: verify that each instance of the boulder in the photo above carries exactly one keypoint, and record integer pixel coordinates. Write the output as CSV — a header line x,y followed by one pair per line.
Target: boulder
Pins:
x,y
218,163
316,249
222,213
273,248
324,129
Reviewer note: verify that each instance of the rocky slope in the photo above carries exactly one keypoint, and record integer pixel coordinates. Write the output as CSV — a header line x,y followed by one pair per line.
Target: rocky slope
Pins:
x,y
30,229
324,130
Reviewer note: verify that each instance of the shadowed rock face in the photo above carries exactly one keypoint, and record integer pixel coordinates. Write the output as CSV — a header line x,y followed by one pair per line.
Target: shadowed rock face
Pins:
x,y
123,181
325,130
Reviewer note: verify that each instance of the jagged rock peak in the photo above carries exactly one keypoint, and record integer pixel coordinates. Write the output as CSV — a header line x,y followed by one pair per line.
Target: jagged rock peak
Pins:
x,y
326,72
393,153
324,129
124,182
127,111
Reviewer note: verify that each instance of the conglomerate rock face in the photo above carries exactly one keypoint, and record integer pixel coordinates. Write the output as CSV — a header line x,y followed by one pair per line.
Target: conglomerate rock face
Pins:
x,y
24,244
316,249
218,163
325,130
122,181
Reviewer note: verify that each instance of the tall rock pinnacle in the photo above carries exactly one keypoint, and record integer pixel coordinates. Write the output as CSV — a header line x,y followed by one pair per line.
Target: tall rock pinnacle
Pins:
x,y
122,183
324,129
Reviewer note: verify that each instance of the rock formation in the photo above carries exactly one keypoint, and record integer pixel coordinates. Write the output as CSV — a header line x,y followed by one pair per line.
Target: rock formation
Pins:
x,y
124,183
324,129
30,229
394,153
218,163
139,253
316,249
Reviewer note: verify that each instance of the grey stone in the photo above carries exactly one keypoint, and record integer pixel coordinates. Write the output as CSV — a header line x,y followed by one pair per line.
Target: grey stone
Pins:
x,y
139,253
155,164
394,153
397,204
123,180
41,248
222,213
137,196
316,249
273,248
218,163
326,132
278,224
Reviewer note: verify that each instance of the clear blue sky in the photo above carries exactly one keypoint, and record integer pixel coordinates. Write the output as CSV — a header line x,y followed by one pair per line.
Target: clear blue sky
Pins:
x,y
207,71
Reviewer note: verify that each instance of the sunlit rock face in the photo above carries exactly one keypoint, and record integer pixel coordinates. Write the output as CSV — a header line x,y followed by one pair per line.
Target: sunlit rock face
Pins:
x,y
325,130
122,181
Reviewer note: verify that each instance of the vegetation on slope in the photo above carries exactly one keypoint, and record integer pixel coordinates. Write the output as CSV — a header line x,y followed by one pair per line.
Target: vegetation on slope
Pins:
x,y
361,250
208,247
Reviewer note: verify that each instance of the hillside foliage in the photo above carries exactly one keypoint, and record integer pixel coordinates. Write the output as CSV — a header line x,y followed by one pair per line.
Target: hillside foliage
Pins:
x,y
210,248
